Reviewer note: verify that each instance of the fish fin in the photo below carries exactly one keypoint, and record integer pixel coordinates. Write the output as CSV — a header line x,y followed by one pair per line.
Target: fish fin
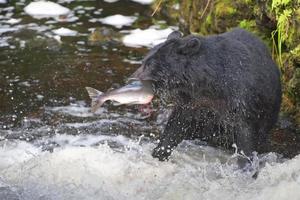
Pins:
x,y
94,95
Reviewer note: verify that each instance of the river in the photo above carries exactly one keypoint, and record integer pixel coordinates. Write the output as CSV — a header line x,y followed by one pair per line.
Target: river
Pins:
x,y
53,148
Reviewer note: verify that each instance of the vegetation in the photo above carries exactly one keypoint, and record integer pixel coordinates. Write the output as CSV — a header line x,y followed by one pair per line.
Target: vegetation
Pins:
x,y
277,22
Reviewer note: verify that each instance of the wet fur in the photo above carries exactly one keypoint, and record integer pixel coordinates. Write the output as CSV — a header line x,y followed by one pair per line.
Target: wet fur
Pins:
x,y
225,89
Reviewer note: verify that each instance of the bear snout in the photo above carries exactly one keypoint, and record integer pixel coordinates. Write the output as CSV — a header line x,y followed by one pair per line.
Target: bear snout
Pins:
x,y
142,75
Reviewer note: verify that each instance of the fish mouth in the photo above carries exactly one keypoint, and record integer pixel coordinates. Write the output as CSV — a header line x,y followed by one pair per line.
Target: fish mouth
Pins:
x,y
143,79
147,89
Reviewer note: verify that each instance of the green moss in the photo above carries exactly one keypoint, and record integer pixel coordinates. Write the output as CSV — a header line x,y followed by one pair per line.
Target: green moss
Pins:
x,y
247,24
294,87
248,1
295,53
208,20
224,8
277,4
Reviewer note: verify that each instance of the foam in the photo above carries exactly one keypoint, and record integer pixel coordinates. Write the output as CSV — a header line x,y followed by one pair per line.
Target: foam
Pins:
x,y
45,9
87,167
111,1
65,32
4,42
77,109
13,21
148,37
6,29
14,152
118,21
144,1
65,1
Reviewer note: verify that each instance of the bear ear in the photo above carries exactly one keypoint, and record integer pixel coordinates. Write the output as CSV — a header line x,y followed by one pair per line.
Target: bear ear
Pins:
x,y
174,35
191,46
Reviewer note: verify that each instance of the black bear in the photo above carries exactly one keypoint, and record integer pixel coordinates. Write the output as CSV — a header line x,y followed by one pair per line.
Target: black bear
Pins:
x,y
225,89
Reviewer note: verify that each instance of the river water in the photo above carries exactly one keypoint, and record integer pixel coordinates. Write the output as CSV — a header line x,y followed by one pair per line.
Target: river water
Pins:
x,y
53,148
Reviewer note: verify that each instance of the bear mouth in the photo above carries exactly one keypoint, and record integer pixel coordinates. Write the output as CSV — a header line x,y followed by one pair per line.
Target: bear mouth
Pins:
x,y
144,90
140,77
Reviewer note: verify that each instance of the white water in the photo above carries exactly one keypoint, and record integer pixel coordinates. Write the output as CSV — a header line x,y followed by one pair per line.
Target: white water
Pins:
x,y
82,169
143,1
118,21
106,167
111,1
148,37
44,9
65,32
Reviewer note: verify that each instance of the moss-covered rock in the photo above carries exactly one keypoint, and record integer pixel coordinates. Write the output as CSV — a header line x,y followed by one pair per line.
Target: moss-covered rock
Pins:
x,y
209,16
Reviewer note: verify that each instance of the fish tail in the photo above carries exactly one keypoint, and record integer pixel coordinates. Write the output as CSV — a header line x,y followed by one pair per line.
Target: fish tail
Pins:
x,y
95,97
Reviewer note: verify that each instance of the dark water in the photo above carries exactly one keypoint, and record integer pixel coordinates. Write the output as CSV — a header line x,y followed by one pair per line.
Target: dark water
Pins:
x,y
37,71
52,147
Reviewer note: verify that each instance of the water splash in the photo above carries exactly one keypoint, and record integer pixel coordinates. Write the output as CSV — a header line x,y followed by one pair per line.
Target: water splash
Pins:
x,y
117,167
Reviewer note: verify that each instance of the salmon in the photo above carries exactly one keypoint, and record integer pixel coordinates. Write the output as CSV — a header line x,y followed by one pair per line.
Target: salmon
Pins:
x,y
136,92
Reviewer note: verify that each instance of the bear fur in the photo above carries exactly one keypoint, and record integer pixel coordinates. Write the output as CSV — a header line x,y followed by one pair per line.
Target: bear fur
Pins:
x,y
224,89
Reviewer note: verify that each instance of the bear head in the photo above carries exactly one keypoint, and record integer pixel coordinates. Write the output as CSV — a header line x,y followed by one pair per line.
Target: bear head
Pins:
x,y
173,68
